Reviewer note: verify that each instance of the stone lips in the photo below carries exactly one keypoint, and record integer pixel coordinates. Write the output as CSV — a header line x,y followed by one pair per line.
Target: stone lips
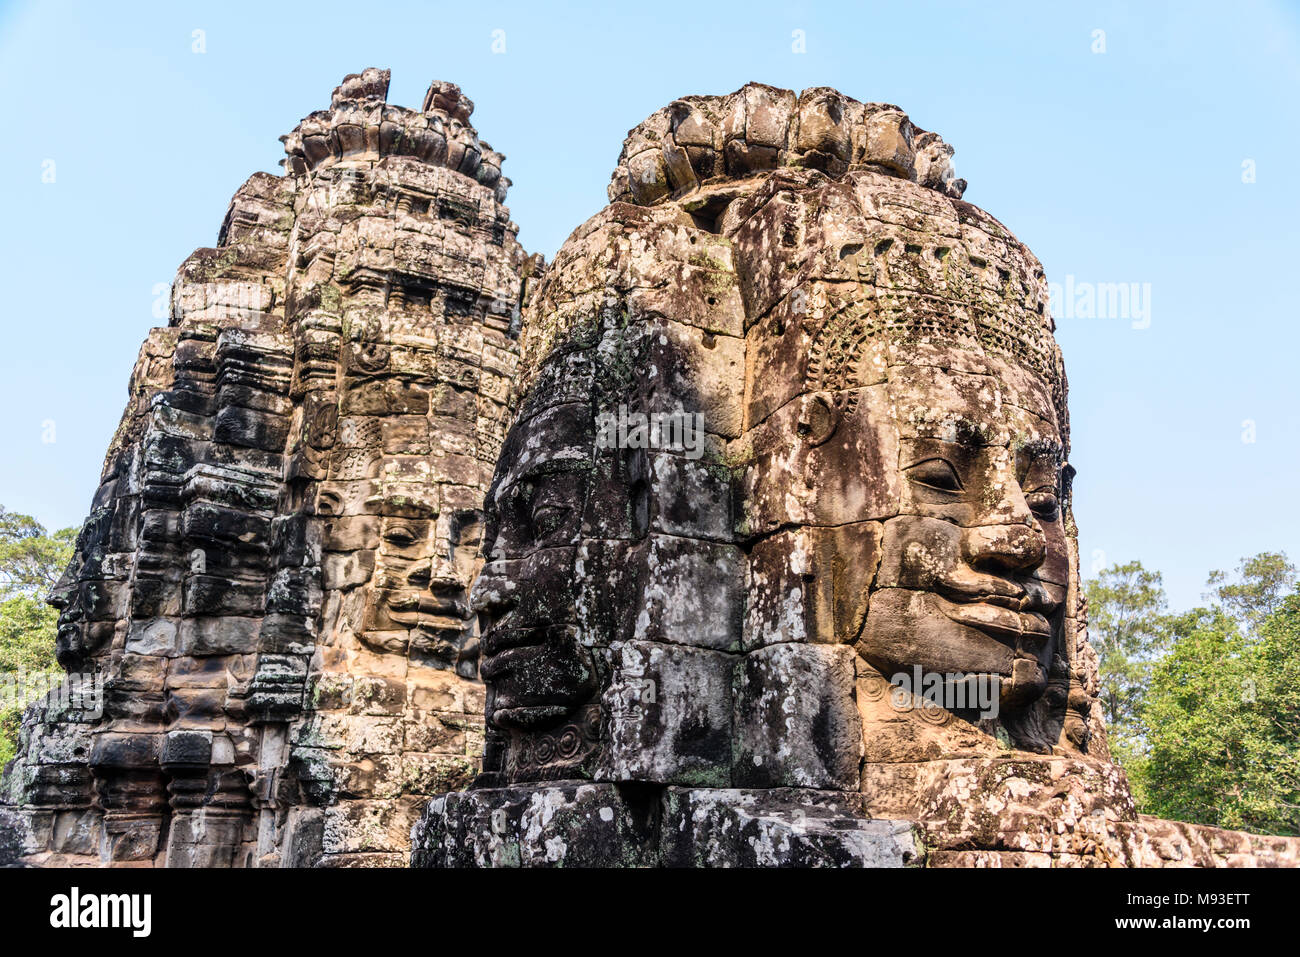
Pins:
x,y
273,577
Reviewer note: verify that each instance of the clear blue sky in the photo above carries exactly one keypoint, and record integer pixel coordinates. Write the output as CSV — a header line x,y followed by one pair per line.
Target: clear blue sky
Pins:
x,y
1122,166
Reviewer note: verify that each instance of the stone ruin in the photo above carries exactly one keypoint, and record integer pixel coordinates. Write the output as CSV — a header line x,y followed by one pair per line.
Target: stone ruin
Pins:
x,y
841,624
273,580
775,564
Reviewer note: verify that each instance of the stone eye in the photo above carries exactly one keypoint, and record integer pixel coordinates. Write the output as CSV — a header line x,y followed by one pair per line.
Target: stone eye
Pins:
x,y
936,474
466,529
400,536
546,517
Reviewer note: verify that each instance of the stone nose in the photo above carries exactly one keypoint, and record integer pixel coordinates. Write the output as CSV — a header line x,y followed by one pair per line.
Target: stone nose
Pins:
x,y
1006,536
1008,547
61,594
495,590
436,573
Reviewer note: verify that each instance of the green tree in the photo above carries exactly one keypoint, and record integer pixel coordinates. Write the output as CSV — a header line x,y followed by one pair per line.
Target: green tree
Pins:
x,y
1129,629
31,562
1222,714
1199,738
1262,583
27,630
1278,703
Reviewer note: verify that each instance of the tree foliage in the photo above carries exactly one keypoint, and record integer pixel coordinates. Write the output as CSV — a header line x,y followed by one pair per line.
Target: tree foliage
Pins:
x,y
1222,722
1129,629
31,562
1262,584
1206,704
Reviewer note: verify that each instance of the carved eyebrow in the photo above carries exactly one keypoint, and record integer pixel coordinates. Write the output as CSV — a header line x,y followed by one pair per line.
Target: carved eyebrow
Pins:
x,y
923,456
971,433
964,431
396,503
914,451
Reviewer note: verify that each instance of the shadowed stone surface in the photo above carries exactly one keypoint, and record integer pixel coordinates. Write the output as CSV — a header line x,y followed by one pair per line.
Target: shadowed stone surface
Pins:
x,y
606,825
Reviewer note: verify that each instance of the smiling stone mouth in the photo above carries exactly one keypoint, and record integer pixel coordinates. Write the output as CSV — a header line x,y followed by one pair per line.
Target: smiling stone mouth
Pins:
x,y
526,717
496,640
998,616
502,662
414,608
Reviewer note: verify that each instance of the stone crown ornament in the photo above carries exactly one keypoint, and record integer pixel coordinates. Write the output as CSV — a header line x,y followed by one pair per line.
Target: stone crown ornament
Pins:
x,y
703,141
361,126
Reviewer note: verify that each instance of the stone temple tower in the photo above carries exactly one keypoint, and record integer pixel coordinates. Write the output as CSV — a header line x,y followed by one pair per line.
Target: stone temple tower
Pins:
x,y
817,602
269,599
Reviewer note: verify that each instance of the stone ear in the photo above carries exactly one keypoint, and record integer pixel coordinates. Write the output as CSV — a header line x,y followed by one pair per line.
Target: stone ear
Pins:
x,y
638,478
818,418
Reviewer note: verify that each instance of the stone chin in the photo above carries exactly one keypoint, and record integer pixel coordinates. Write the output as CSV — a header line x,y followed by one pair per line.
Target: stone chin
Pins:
x,y
538,677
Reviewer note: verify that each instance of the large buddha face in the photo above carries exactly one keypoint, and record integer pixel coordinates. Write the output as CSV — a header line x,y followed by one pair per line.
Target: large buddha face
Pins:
x,y
974,567
929,522
909,452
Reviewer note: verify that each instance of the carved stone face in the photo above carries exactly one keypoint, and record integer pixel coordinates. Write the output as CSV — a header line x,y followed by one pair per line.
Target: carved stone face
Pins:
x,y
536,668
418,590
304,544
974,567
907,408
932,528
414,474
74,642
